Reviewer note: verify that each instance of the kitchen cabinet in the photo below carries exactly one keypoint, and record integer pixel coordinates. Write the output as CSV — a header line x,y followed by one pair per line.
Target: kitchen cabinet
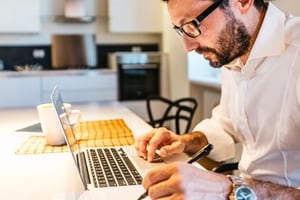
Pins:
x,y
142,16
19,91
19,16
81,87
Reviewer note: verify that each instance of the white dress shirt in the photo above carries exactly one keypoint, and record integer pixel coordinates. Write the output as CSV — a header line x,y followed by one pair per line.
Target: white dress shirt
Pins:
x,y
260,105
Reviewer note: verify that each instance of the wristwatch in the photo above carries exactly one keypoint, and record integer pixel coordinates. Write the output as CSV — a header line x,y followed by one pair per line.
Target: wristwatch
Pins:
x,y
241,191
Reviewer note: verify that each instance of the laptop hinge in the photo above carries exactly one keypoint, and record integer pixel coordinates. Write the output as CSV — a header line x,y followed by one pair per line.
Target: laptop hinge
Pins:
x,y
83,169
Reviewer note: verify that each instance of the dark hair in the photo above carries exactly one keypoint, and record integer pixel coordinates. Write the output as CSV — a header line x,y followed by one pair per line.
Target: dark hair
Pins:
x,y
259,4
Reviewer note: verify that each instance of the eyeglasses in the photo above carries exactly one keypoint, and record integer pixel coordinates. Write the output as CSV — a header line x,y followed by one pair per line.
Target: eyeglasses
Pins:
x,y
191,28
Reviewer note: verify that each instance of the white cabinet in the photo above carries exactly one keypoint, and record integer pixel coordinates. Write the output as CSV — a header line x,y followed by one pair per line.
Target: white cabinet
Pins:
x,y
30,89
19,16
144,16
81,87
19,91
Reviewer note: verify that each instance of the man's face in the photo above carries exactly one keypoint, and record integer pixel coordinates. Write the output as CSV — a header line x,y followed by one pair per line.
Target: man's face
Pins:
x,y
223,37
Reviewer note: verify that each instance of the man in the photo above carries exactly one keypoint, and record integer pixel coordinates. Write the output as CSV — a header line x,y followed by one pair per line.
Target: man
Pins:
x,y
258,48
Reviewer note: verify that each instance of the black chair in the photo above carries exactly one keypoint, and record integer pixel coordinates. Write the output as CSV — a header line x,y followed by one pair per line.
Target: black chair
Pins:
x,y
179,112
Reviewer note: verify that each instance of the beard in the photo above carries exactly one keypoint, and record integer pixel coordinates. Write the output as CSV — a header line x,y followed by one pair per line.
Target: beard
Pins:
x,y
232,42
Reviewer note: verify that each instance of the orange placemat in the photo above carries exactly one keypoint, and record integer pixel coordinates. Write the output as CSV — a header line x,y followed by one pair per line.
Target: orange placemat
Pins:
x,y
98,133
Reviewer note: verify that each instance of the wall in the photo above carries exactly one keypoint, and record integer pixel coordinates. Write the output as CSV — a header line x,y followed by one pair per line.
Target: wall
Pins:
x,y
173,46
292,6
12,56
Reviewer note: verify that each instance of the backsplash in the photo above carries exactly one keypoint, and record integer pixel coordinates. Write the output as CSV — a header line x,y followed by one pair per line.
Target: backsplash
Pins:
x,y
40,55
13,56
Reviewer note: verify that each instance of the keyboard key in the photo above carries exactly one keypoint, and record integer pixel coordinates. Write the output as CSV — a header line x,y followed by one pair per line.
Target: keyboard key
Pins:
x,y
112,167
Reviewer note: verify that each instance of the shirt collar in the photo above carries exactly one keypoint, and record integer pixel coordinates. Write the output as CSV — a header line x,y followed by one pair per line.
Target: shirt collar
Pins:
x,y
270,43
235,65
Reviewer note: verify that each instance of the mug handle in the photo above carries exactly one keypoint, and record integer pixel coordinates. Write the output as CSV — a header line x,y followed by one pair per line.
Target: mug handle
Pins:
x,y
74,117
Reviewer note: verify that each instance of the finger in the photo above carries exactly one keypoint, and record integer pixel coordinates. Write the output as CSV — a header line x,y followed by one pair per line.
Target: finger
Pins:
x,y
166,183
162,191
161,136
156,175
142,143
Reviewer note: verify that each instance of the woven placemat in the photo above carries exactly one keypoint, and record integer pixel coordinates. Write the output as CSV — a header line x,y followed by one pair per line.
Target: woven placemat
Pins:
x,y
98,133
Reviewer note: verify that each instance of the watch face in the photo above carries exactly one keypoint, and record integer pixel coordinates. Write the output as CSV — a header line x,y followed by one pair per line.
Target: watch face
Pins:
x,y
245,193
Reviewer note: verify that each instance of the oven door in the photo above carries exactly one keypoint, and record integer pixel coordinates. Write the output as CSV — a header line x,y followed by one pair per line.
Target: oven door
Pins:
x,y
137,81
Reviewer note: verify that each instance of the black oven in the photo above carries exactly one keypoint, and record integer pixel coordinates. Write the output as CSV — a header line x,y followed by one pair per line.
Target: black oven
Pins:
x,y
138,75
138,81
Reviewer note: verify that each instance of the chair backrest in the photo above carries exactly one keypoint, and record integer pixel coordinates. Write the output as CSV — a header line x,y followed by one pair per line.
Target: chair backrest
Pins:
x,y
180,112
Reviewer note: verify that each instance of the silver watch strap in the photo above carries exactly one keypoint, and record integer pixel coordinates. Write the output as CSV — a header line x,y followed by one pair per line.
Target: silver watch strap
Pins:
x,y
239,184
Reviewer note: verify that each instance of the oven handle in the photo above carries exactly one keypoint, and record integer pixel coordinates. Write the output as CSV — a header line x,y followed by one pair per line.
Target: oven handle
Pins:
x,y
139,66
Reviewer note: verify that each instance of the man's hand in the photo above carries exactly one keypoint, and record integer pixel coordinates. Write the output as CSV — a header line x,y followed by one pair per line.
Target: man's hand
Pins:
x,y
185,181
162,139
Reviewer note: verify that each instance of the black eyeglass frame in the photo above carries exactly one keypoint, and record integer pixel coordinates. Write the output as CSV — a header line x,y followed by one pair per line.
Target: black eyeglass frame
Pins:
x,y
196,22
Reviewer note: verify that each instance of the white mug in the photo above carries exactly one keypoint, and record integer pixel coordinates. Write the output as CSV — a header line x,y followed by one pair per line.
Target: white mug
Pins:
x,y
50,123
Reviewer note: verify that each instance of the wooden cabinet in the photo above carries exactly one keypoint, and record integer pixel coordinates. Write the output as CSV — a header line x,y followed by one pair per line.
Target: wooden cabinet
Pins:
x,y
142,16
19,16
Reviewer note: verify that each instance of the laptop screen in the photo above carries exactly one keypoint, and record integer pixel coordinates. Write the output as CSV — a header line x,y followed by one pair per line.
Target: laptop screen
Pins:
x,y
67,128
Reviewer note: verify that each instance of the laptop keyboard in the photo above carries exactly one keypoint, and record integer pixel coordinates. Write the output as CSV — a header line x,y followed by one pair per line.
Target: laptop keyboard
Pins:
x,y
112,167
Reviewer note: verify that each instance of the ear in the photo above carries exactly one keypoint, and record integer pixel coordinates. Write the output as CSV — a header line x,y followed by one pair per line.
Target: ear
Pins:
x,y
244,5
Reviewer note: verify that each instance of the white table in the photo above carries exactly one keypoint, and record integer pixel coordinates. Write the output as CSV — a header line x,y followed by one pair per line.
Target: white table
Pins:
x,y
46,176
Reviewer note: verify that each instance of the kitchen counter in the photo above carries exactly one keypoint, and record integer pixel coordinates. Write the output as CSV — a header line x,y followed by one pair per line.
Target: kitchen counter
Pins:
x,y
53,176
37,73
76,86
47,175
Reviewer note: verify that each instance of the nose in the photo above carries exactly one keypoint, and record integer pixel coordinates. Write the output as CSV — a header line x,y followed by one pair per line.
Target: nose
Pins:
x,y
190,44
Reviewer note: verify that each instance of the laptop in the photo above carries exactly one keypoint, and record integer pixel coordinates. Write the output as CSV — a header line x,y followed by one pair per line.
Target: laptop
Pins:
x,y
109,172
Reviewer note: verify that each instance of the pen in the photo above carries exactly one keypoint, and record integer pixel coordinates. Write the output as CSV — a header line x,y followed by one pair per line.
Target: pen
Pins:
x,y
197,156
203,152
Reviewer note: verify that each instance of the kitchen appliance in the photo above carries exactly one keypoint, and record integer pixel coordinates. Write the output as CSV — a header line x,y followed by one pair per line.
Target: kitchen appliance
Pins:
x,y
75,11
138,74
73,51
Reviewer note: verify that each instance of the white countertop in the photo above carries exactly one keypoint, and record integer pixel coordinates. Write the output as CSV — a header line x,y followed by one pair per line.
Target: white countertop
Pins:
x,y
69,72
44,176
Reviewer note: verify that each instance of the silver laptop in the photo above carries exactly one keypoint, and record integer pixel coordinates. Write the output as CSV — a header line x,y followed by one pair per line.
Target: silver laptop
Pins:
x,y
110,171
